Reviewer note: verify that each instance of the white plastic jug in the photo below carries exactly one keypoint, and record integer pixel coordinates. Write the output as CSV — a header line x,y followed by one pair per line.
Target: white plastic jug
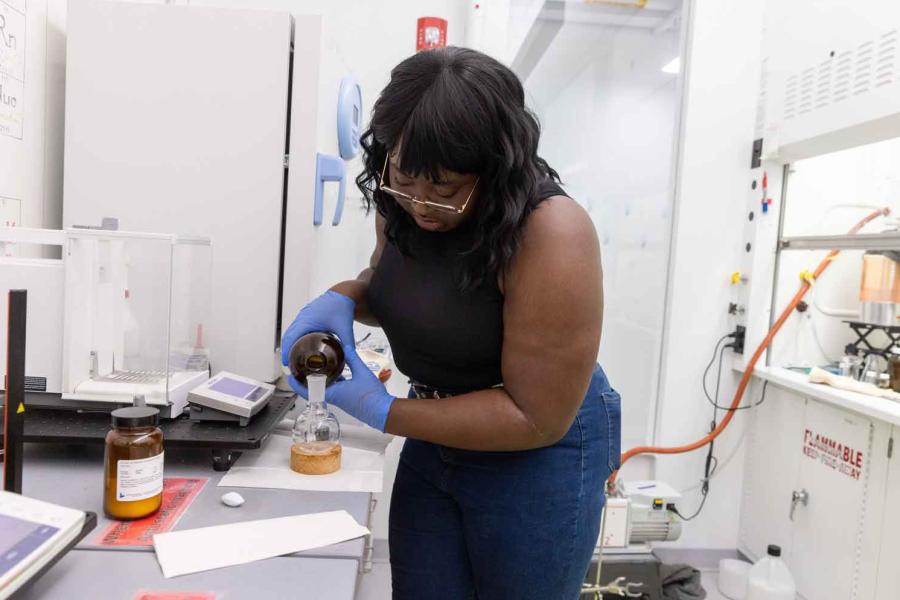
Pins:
x,y
770,579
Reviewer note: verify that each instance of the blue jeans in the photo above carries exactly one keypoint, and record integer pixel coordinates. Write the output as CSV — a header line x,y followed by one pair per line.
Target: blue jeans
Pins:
x,y
497,525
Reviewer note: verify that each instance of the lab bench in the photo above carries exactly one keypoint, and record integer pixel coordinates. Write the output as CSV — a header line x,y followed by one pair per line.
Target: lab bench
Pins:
x,y
99,574
72,475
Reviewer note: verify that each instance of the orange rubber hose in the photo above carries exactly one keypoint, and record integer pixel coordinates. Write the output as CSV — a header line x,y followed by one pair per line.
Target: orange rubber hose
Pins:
x,y
748,372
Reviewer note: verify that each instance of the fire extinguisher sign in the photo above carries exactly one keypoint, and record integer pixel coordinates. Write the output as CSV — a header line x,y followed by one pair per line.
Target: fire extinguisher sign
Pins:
x,y
833,453
431,33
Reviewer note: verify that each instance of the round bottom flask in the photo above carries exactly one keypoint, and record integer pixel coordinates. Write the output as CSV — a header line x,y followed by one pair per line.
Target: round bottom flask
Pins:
x,y
316,448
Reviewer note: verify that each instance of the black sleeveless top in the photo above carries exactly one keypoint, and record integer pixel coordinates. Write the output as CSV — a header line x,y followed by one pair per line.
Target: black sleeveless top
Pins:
x,y
441,336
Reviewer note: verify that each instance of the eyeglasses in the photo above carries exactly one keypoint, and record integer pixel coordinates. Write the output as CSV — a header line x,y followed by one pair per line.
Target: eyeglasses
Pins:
x,y
446,208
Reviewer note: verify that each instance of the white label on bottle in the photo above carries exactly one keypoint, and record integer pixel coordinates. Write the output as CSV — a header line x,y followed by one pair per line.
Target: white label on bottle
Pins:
x,y
139,479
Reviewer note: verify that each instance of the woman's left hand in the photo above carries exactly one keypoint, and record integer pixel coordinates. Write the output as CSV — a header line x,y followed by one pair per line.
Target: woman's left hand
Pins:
x,y
363,397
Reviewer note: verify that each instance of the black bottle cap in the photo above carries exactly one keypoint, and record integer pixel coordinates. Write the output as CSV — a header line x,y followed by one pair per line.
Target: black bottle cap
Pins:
x,y
774,550
135,416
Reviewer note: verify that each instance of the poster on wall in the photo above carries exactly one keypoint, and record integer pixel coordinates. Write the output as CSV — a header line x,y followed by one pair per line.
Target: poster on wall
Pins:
x,y
12,67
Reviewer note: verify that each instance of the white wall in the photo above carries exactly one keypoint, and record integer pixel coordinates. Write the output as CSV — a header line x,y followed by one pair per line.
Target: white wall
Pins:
x,y
31,166
721,93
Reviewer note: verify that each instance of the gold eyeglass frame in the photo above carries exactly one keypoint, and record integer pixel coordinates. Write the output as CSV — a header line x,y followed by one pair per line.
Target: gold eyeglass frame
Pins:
x,y
457,210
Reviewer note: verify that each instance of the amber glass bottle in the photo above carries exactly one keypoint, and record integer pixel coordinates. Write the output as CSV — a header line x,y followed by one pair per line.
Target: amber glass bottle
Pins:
x,y
894,368
133,483
317,353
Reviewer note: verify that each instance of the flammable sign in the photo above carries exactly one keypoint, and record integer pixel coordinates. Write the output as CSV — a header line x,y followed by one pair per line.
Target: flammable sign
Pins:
x,y
834,453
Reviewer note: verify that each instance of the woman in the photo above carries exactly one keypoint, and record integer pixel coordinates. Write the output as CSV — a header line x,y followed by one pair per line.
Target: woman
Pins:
x,y
487,281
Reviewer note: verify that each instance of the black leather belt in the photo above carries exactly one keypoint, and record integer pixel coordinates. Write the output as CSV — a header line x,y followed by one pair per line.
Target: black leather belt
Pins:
x,y
423,391
426,391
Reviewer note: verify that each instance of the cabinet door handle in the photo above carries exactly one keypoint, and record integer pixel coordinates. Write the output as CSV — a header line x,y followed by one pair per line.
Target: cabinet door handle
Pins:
x,y
801,497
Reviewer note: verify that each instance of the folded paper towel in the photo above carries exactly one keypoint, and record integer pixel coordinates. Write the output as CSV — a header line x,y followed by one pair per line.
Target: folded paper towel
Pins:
x,y
817,375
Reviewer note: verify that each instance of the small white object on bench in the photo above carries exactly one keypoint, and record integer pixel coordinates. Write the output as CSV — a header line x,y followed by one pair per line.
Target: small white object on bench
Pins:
x,y
232,499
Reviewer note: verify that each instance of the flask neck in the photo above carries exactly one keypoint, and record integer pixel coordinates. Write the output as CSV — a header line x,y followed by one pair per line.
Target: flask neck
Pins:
x,y
316,386
316,405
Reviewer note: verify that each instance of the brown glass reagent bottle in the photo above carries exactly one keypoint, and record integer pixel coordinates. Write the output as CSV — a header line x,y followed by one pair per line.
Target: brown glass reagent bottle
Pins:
x,y
317,353
133,481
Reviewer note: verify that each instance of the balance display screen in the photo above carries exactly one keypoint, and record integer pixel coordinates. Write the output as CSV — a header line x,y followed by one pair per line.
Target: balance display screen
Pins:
x,y
18,539
233,387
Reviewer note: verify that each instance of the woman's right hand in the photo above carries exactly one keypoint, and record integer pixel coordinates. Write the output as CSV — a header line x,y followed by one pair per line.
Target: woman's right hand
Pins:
x,y
331,312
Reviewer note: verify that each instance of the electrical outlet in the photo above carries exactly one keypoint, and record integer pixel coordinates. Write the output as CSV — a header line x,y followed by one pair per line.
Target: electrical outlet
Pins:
x,y
739,333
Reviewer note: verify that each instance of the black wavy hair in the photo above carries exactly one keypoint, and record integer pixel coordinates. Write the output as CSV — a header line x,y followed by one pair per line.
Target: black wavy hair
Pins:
x,y
459,110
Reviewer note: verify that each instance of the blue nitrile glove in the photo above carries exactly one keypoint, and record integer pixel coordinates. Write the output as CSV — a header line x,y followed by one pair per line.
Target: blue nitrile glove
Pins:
x,y
363,397
330,312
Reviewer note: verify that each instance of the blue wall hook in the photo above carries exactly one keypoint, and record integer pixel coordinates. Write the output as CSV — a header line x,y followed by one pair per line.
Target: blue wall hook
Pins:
x,y
329,168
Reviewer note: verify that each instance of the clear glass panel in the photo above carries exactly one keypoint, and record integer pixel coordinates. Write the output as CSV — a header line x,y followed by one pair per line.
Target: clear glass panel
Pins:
x,y
607,93
191,301
135,304
117,305
817,336
826,195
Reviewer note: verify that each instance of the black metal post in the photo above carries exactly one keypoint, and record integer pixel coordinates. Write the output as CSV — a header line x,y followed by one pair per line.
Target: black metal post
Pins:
x,y
14,404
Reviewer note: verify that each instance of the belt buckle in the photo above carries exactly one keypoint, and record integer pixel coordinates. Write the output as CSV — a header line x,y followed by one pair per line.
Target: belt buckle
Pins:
x,y
422,392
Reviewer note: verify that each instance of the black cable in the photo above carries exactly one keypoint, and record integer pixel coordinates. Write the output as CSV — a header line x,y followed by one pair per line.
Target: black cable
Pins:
x,y
719,382
703,497
712,462
707,473
696,514
715,401
762,398
710,364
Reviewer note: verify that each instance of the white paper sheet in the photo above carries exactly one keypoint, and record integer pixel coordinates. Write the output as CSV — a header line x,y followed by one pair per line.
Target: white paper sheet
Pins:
x,y
361,470
194,550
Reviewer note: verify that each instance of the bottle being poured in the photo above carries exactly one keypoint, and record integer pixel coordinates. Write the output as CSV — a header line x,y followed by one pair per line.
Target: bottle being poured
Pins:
x,y
316,448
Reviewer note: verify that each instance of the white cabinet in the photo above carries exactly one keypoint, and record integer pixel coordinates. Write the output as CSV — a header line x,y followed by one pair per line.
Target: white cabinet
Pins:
x,y
836,471
834,463
774,435
889,556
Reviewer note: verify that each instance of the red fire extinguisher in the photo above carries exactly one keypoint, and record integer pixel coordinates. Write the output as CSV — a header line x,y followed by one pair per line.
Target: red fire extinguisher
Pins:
x,y
431,32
